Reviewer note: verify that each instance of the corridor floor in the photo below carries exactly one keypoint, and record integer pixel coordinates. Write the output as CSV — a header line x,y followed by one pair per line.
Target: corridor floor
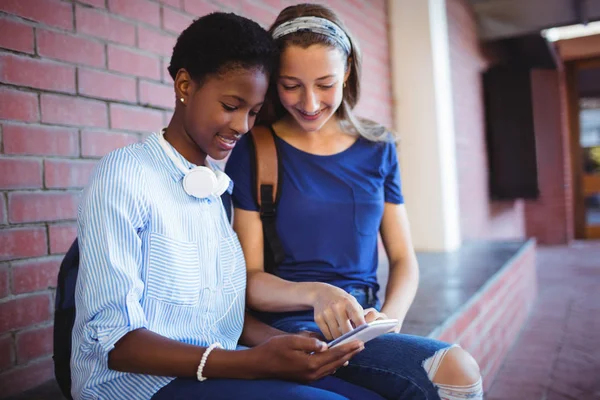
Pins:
x,y
557,355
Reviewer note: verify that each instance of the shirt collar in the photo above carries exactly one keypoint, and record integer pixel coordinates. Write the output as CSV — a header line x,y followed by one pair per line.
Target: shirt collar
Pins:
x,y
164,159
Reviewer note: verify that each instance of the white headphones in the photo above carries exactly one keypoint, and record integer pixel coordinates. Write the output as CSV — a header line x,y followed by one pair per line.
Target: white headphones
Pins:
x,y
199,181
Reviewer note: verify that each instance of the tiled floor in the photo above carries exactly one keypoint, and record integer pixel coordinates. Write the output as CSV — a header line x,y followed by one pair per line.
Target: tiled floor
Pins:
x,y
557,356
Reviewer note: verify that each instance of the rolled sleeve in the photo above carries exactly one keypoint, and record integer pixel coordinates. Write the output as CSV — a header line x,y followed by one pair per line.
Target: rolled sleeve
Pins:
x,y
392,185
109,285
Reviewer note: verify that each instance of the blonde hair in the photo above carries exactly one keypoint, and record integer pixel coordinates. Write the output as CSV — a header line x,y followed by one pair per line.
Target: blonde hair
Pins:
x,y
273,110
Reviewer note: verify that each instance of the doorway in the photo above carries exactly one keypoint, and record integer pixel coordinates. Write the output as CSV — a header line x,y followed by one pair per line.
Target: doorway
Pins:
x,y
583,85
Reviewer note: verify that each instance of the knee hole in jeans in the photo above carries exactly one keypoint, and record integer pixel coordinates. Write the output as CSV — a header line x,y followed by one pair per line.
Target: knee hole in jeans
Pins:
x,y
452,366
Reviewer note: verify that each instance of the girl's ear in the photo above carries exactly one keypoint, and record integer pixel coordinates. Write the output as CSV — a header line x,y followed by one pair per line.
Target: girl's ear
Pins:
x,y
348,69
183,86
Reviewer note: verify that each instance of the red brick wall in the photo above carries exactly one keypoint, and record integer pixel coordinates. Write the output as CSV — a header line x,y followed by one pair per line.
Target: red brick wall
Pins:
x,y
480,218
566,155
547,218
80,78
489,323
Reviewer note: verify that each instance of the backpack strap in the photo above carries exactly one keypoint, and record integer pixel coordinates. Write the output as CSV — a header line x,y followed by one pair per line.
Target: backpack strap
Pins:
x,y
266,174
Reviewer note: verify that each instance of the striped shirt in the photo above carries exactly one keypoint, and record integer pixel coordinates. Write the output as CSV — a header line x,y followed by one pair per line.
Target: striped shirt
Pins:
x,y
151,257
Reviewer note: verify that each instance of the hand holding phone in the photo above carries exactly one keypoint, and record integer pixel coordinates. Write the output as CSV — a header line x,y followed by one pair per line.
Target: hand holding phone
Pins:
x,y
366,332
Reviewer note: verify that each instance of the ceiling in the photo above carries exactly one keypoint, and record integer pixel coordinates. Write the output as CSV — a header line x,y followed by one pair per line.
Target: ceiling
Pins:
x,y
501,19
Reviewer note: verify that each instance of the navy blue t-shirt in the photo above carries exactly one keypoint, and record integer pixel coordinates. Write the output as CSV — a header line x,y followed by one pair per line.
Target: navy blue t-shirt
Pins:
x,y
330,208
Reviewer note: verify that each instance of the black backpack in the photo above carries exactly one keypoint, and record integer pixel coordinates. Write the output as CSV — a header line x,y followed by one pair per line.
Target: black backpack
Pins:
x,y
266,176
64,318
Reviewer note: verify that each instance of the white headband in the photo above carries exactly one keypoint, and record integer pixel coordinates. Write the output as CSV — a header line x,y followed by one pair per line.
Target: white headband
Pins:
x,y
319,25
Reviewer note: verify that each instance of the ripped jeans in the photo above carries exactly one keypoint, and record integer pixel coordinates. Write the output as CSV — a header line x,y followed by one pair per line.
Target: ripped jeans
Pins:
x,y
392,365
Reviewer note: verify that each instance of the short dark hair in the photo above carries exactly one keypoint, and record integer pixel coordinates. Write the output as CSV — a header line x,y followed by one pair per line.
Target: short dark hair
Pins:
x,y
219,42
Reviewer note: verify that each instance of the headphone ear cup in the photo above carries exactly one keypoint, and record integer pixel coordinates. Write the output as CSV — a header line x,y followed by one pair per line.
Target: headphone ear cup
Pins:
x,y
223,181
200,182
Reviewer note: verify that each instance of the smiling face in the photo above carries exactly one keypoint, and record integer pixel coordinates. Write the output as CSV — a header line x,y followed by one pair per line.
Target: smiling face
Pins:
x,y
220,110
310,84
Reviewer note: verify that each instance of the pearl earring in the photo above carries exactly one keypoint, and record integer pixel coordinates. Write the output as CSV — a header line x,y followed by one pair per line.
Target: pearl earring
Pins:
x,y
181,99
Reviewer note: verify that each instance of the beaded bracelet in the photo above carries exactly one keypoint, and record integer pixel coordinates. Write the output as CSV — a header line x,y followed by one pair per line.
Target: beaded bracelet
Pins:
x,y
203,361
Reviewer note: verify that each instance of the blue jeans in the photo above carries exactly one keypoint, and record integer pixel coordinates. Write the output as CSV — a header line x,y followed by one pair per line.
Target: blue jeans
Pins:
x,y
390,365
328,388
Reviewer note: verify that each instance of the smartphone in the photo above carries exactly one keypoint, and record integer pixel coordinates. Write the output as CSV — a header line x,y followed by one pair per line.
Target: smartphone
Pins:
x,y
366,332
